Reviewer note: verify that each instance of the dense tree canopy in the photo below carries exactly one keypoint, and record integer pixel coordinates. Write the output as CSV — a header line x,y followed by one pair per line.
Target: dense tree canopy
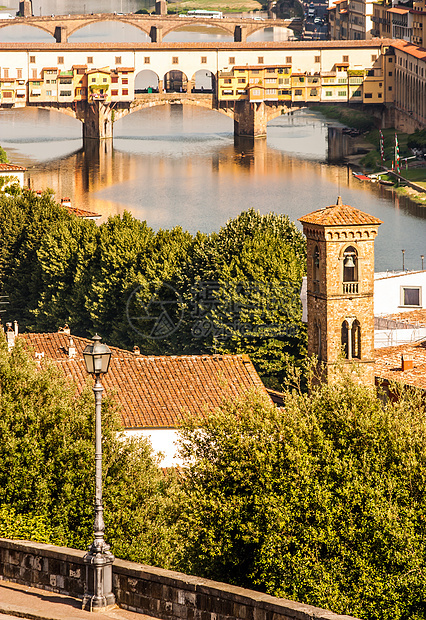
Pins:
x,y
237,290
322,501
47,468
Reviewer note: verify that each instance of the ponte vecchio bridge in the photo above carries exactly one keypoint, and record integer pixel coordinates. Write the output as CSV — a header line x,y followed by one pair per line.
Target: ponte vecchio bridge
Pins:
x,y
251,82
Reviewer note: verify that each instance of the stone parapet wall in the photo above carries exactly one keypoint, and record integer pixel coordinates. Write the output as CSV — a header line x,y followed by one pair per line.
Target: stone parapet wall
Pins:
x,y
164,594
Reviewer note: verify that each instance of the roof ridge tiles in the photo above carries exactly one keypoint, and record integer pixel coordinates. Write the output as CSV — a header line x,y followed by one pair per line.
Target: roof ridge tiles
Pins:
x,y
340,214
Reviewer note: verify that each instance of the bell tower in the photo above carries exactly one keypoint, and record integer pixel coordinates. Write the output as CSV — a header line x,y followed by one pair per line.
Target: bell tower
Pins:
x,y
340,288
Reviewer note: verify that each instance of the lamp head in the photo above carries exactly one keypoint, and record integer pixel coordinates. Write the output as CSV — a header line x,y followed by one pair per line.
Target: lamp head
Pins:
x,y
97,357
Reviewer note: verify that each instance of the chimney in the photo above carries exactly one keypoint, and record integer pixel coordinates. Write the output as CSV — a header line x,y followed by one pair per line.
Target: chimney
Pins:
x,y
65,202
136,350
71,349
407,363
15,327
10,337
64,330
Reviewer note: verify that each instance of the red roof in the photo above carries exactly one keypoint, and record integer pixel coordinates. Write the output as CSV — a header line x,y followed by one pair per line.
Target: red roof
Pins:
x,y
340,215
388,364
154,391
89,215
11,168
410,48
228,45
398,11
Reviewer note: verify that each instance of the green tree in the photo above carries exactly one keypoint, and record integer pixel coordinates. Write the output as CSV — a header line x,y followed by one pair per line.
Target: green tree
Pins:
x,y
243,285
47,467
25,220
322,501
235,291
3,156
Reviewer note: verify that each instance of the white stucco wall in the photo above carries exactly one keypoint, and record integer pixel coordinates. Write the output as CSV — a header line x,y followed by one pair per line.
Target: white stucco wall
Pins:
x,y
387,291
16,176
162,440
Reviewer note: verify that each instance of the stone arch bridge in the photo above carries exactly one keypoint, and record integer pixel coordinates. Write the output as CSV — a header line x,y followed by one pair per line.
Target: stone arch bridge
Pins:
x,y
155,26
98,117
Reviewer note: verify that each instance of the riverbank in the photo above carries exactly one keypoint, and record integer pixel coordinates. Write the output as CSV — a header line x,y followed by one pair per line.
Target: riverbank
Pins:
x,y
367,145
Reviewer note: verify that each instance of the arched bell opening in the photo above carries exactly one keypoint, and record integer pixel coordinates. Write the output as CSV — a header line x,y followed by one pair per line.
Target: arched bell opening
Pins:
x,y
350,270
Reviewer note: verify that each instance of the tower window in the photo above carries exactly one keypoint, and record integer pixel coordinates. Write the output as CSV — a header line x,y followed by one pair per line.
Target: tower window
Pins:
x,y
317,340
351,339
350,270
315,269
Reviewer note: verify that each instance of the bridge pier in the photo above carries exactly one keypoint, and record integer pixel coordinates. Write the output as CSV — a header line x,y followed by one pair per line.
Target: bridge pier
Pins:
x,y
156,34
61,34
250,119
240,34
97,119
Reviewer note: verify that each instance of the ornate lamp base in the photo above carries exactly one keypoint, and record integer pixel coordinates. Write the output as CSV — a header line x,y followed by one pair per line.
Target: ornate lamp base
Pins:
x,y
98,595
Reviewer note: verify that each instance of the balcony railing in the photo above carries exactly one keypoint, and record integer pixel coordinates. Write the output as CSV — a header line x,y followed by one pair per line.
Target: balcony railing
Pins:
x,y
350,287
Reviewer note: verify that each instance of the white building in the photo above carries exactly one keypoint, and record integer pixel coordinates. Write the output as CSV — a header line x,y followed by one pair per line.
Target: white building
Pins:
x,y
12,174
401,291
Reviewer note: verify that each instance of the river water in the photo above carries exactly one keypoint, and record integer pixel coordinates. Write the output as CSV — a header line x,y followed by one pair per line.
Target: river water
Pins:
x,y
179,165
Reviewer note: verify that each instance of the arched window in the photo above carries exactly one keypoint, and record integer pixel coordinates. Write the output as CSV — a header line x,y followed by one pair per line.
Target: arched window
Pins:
x,y
350,265
356,340
345,340
317,340
351,339
315,269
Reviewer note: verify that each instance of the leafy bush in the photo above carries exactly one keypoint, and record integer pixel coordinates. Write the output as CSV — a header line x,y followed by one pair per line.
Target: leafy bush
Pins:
x,y
417,140
322,501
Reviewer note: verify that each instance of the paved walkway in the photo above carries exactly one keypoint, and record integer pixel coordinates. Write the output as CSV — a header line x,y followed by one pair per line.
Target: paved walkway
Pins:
x,y
25,602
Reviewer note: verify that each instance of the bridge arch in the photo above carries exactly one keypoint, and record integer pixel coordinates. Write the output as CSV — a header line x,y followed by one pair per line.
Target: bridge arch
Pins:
x,y
28,28
145,80
176,27
203,80
77,28
175,81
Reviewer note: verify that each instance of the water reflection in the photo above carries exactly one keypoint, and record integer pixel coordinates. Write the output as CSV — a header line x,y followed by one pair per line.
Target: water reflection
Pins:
x,y
176,165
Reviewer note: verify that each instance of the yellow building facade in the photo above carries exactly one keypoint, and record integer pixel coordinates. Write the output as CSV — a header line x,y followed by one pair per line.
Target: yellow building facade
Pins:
x,y
374,84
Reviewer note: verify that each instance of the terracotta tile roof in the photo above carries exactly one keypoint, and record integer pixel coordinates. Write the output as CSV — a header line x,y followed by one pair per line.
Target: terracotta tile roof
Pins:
x,y
11,168
388,364
88,215
409,48
339,215
154,391
287,45
411,317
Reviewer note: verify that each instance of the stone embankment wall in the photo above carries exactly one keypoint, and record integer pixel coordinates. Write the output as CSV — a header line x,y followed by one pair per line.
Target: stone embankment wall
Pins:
x,y
152,591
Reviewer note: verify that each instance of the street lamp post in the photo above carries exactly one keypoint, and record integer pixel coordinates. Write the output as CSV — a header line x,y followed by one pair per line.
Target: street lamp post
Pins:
x,y
98,594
